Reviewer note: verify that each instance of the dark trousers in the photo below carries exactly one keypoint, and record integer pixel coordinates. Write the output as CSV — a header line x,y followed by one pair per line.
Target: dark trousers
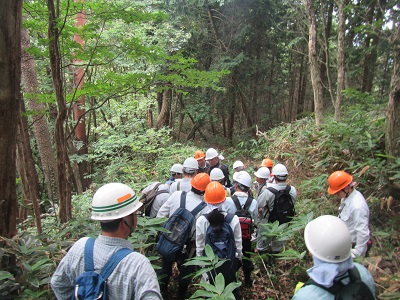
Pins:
x,y
247,264
228,269
165,274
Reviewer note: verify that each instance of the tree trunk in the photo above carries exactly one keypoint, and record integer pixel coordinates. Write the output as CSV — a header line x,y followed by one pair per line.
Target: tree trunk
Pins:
x,y
40,128
163,117
393,109
340,60
313,57
26,168
10,97
79,109
63,176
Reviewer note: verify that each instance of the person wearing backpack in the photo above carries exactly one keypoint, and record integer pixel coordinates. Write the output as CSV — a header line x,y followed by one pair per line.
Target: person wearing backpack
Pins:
x,y
276,203
131,276
192,200
190,168
262,178
354,210
222,232
153,197
213,159
334,275
246,208
217,175
176,174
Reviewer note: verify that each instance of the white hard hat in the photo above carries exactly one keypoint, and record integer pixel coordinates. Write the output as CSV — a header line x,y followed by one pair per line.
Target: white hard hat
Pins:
x,y
211,153
216,174
177,168
190,165
328,239
113,201
238,164
279,170
262,172
243,178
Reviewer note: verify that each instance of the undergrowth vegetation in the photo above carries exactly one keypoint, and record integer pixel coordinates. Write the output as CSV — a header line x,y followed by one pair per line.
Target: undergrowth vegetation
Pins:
x,y
356,145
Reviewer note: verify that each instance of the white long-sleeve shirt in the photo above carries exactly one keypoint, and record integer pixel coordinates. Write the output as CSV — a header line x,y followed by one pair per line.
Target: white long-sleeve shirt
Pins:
x,y
355,213
201,229
184,185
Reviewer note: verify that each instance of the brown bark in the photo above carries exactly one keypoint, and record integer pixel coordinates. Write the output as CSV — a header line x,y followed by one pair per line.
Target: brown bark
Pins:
x,y
163,117
340,60
314,67
40,128
63,176
393,110
10,97
27,170
79,111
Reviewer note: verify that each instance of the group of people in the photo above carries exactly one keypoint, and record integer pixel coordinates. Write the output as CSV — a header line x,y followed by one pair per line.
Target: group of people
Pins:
x,y
204,181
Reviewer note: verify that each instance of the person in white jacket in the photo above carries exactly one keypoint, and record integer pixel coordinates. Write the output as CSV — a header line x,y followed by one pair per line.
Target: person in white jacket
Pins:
x,y
215,213
353,210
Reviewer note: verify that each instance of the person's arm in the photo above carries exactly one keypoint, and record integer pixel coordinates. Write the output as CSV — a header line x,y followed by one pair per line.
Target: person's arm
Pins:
x,y
360,218
201,229
165,209
62,282
146,286
237,233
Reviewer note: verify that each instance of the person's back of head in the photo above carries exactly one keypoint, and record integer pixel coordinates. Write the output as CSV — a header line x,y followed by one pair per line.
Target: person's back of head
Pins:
x,y
199,183
242,181
328,239
280,173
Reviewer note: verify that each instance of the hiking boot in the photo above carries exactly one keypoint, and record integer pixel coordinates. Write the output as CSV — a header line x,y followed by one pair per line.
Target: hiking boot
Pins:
x,y
248,282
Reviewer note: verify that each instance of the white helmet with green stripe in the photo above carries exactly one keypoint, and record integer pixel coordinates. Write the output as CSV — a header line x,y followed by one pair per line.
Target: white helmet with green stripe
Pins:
x,y
114,201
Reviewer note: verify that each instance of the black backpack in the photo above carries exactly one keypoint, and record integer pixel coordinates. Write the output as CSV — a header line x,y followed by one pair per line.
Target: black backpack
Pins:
x,y
222,242
356,289
246,222
148,198
91,284
179,226
283,209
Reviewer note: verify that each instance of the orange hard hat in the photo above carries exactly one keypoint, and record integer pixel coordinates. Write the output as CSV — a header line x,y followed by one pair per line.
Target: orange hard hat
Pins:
x,y
199,155
267,163
200,181
338,180
215,193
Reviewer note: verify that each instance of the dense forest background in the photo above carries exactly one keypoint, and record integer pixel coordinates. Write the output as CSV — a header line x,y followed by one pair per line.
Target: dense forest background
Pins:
x,y
99,91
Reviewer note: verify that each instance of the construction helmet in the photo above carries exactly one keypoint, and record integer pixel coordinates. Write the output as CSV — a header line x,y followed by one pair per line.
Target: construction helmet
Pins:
x,y
215,193
190,165
200,181
238,164
113,201
211,153
338,180
244,178
267,163
216,174
262,172
279,170
177,168
328,239
199,155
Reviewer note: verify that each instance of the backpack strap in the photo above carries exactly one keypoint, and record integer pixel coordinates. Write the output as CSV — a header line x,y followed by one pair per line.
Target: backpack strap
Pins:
x,y
88,255
228,218
334,289
287,189
236,202
114,261
196,210
248,203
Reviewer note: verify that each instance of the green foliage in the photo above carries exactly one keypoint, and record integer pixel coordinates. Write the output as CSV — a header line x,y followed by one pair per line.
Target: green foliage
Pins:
x,y
207,263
